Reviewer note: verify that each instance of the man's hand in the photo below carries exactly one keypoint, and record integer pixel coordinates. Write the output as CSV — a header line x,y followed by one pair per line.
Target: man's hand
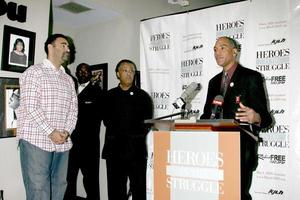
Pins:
x,y
66,135
246,114
59,137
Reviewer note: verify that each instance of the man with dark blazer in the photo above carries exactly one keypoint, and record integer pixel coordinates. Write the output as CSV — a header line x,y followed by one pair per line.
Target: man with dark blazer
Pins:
x,y
85,153
125,150
244,100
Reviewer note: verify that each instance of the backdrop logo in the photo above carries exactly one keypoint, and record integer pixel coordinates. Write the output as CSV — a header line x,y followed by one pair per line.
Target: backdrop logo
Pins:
x,y
234,29
276,80
274,144
273,42
160,100
277,137
277,41
275,192
191,68
193,48
160,41
277,112
273,158
273,60
282,129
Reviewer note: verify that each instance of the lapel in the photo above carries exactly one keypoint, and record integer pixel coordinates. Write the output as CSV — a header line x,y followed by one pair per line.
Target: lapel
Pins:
x,y
217,84
85,90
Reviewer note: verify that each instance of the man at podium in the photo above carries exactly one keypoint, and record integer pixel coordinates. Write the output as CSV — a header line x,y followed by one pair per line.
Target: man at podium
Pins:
x,y
238,93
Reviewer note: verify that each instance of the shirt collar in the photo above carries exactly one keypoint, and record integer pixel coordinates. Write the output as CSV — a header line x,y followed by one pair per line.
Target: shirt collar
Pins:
x,y
231,70
84,84
48,63
132,88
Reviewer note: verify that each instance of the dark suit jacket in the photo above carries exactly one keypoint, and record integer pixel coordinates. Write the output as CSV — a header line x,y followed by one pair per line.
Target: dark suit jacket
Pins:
x,y
246,84
85,137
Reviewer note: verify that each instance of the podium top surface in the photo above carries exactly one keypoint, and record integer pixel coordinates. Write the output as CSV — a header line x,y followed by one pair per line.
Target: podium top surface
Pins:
x,y
207,124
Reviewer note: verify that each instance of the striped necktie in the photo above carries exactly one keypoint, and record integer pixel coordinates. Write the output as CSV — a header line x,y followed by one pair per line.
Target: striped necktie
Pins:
x,y
224,83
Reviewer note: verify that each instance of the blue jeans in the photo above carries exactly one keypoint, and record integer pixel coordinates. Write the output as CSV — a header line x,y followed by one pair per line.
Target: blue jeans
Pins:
x,y
44,173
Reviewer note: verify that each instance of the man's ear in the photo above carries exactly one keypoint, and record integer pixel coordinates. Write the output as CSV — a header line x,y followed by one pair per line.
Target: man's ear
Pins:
x,y
235,52
118,75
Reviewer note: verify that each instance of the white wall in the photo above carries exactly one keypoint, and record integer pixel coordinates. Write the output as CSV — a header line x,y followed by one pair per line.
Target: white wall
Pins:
x,y
37,21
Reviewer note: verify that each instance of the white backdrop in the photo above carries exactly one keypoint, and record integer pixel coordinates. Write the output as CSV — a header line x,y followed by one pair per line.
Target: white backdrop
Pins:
x,y
176,50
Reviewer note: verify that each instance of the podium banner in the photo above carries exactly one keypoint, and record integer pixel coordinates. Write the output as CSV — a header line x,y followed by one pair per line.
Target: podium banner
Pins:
x,y
192,165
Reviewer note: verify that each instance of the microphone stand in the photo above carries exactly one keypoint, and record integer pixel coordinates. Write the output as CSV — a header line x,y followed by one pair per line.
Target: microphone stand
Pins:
x,y
158,124
183,113
171,115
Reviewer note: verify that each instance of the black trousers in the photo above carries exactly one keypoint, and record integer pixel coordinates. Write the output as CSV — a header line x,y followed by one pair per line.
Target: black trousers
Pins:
x,y
249,162
88,163
118,173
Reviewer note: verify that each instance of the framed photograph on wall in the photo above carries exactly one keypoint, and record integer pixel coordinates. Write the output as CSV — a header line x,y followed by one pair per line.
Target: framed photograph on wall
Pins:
x,y
18,49
99,75
10,96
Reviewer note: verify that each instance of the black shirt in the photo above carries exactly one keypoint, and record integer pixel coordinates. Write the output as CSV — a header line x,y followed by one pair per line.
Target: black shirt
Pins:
x,y
125,112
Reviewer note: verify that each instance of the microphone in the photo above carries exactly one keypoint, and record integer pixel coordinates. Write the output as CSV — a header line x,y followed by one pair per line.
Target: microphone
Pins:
x,y
217,106
187,94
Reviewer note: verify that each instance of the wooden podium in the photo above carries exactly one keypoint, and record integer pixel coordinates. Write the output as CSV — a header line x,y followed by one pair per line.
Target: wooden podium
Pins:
x,y
194,160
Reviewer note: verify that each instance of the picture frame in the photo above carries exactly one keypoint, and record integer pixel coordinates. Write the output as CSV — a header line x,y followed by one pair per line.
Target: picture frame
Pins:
x,y
99,75
14,57
9,95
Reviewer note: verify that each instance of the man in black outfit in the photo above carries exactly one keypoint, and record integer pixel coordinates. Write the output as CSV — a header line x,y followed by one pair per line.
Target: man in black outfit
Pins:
x,y
85,153
125,148
244,100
